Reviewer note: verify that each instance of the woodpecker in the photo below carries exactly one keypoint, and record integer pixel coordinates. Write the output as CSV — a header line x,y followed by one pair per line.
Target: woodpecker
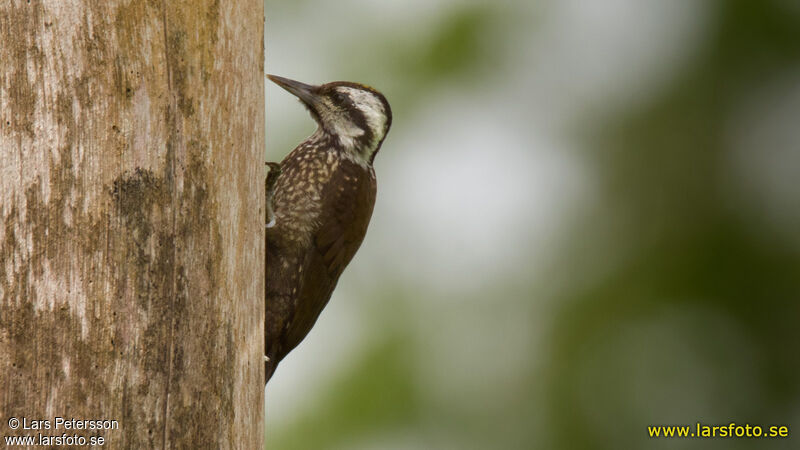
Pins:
x,y
319,203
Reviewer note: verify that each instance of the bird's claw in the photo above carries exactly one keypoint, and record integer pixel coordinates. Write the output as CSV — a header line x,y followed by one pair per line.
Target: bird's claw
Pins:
x,y
269,186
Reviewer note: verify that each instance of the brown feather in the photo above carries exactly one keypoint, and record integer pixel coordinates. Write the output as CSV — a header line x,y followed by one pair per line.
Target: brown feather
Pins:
x,y
323,198
343,221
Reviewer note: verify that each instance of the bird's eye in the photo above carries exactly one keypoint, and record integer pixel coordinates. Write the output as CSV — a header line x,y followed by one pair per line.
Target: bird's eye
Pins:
x,y
338,97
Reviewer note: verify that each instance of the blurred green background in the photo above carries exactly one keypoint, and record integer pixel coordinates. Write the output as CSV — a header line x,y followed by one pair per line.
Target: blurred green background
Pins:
x,y
588,221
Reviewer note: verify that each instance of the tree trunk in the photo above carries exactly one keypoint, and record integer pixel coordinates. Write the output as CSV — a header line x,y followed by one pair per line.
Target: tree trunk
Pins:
x,y
131,220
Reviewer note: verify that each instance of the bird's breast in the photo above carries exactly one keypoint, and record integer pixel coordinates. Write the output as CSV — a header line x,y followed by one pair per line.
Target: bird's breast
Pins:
x,y
318,186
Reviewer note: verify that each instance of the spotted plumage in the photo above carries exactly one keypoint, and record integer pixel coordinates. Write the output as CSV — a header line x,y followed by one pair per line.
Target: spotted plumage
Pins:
x,y
321,199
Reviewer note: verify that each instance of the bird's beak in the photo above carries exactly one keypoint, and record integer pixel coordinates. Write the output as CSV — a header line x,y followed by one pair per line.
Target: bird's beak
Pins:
x,y
304,92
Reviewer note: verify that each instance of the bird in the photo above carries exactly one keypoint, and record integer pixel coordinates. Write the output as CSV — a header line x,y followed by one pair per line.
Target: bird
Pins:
x,y
319,204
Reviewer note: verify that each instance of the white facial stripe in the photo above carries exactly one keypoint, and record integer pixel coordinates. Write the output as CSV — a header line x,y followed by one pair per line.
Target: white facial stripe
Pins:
x,y
347,131
371,106
339,124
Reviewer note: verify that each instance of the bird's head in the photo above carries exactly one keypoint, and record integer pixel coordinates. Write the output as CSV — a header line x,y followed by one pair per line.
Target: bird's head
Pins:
x,y
356,117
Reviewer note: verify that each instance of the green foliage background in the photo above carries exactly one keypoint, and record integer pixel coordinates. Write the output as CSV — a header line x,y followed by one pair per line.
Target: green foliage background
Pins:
x,y
669,294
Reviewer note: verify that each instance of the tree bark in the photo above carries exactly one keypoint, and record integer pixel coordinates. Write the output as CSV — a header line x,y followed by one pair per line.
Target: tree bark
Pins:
x,y
131,219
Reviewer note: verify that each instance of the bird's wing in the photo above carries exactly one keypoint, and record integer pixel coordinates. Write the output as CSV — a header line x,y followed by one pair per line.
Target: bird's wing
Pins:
x,y
343,226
